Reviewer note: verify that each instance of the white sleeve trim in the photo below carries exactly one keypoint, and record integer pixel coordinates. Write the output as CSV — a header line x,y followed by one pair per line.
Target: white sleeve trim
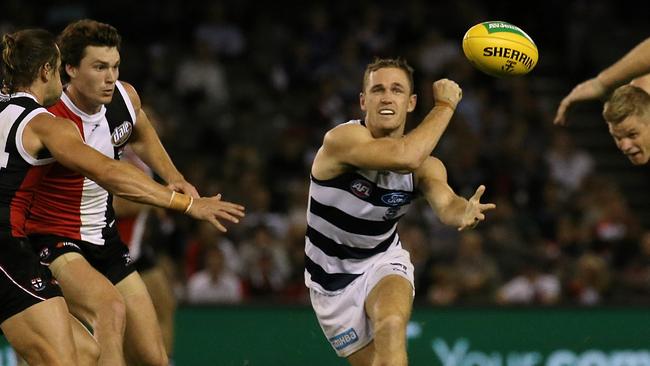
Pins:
x,y
127,100
19,139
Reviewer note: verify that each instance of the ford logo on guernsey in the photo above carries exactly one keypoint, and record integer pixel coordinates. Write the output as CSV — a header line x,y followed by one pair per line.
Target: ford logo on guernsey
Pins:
x,y
396,198
122,133
361,188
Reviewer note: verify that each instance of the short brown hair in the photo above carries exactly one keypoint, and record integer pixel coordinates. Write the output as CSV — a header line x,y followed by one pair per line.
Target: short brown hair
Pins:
x,y
627,100
382,63
83,33
23,54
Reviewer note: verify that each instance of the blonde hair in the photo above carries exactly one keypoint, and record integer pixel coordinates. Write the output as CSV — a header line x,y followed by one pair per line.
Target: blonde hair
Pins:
x,y
627,100
382,63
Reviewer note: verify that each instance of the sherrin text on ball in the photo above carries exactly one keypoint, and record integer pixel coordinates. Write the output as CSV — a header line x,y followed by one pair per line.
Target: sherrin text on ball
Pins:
x,y
500,49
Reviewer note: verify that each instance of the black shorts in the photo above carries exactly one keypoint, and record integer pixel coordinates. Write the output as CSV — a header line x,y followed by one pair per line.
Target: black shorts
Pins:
x,y
111,259
147,259
24,281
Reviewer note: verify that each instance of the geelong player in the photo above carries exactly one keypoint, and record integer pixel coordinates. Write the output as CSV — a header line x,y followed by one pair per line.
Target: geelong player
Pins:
x,y
363,180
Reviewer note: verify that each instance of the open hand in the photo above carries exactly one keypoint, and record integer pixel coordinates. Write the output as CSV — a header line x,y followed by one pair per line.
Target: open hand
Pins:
x,y
474,210
213,209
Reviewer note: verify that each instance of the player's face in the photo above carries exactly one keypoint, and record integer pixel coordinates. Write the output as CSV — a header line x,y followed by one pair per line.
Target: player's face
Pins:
x,y
632,137
54,87
94,79
387,98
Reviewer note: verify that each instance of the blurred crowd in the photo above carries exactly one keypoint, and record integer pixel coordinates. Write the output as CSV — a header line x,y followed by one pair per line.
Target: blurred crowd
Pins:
x,y
242,94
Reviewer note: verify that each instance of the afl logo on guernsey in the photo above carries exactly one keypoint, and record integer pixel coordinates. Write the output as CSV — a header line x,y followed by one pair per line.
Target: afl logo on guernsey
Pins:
x,y
122,133
396,198
361,188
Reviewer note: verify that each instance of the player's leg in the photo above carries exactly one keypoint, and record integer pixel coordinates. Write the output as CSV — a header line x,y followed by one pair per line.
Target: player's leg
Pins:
x,y
143,344
159,287
364,356
93,298
41,334
388,306
86,346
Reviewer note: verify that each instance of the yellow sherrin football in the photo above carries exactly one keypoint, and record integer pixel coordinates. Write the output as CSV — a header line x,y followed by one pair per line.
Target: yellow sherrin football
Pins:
x,y
500,49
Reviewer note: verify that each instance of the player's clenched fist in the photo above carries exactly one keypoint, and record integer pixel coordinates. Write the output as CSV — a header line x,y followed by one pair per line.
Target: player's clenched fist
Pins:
x,y
447,92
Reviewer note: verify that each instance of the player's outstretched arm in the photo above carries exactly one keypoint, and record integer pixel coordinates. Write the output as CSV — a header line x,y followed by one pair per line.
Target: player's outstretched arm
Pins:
x,y
634,64
61,137
452,209
587,90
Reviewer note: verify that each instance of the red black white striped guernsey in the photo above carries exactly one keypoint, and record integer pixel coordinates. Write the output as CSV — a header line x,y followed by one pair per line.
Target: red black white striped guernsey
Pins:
x,y
19,171
68,204
131,228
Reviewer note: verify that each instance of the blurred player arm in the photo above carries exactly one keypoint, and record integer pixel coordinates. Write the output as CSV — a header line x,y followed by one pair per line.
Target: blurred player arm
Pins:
x,y
634,64
453,210
642,82
146,144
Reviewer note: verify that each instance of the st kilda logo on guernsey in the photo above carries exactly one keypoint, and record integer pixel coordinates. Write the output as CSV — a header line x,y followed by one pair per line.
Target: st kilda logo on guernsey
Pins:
x,y
361,188
122,133
45,252
38,284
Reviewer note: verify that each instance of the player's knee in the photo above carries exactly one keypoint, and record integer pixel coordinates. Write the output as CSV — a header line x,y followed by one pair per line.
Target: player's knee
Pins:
x,y
88,352
113,310
35,355
392,324
118,309
156,356
41,354
91,355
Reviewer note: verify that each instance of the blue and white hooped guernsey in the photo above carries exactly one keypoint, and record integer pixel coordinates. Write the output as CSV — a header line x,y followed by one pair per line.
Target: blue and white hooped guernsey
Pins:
x,y
350,219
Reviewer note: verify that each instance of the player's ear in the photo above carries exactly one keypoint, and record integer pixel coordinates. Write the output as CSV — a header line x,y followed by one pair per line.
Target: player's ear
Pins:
x,y
45,73
413,99
71,71
362,101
